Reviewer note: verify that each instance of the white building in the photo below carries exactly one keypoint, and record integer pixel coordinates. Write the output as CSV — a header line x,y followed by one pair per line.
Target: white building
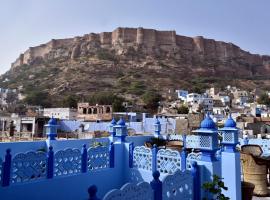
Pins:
x,y
60,113
182,94
197,102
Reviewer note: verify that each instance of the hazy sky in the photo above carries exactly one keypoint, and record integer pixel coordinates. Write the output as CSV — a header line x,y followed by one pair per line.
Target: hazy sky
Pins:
x,y
25,23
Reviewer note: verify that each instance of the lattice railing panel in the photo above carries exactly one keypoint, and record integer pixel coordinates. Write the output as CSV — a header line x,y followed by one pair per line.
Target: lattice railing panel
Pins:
x,y
142,158
130,191
28,167
192,157
168,161
67,162
178,186
192,141
98,158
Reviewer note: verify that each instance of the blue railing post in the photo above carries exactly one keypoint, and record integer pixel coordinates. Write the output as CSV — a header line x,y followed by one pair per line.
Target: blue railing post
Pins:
x,y
184,154
154,158
111,150
246,140
84,159
131,148
196,181
50,162
7,168
92,191
156,185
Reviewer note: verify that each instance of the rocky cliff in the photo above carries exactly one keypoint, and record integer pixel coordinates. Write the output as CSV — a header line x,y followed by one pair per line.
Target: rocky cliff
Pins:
x,y
111,60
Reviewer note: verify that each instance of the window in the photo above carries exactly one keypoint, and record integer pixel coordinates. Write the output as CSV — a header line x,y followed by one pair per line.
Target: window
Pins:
x,y
95,111
84,110
108,110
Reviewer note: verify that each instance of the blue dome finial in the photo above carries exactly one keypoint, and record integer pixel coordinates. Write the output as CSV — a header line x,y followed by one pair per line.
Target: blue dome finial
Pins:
x,y
113,122
208,122
230,123
121,122
52,121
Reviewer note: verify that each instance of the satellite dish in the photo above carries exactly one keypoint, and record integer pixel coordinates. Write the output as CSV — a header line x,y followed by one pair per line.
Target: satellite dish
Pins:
x,y
87,126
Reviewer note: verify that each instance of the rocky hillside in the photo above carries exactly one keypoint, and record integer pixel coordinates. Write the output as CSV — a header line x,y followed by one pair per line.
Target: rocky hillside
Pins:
x,y
129,61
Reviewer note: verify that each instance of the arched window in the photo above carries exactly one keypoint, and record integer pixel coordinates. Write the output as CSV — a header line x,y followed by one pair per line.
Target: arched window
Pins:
x,y
108,110
89,111
84,110
94,110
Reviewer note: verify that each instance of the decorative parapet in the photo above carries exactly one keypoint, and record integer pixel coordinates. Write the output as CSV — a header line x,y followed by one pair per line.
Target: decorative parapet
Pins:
x,y
193,157
168,161
98,158
142,158
178,186
28,166
67,162
141,191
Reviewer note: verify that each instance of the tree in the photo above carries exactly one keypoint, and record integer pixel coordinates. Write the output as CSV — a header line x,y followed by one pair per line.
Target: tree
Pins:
x,y
264,99
151,100
182,110
70,101
40,98
12,97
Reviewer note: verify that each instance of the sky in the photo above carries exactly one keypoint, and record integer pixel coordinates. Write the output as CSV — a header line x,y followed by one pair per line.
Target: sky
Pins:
x,y
26,23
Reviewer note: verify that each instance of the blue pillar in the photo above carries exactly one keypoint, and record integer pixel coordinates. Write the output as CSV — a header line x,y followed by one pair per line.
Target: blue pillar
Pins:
x,y
131,148
230,159
92,191
51,129
7,168
112,128
157,126
50,163
208,145
184,155
196,181
84,159
121,130
111,150
154,158
156,185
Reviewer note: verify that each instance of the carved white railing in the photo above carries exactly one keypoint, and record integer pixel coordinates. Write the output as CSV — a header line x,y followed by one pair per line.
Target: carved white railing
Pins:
x,y
28,167
192,141
168,161
142,158
192,157
130,191
178,186
98,158
67,162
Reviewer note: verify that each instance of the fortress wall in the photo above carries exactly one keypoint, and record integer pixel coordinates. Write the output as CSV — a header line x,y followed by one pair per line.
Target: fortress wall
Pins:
x,y
166,37
92,37
184,42
26,56
129,35
198,43
62,43
106,38
139,39
40,51
149,37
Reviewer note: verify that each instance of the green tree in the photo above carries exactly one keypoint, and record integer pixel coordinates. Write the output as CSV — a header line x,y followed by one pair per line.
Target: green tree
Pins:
x,y
40,98
182,110
151,100
12,97
70,101
264,99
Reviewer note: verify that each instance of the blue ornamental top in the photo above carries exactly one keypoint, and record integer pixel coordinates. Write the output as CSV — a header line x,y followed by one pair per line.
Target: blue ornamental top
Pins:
x,y
52,121
121,122
208,123
113,122
230,123
157,121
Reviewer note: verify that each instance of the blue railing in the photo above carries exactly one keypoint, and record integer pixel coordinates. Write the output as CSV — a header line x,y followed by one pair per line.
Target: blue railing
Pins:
x,y
31,166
